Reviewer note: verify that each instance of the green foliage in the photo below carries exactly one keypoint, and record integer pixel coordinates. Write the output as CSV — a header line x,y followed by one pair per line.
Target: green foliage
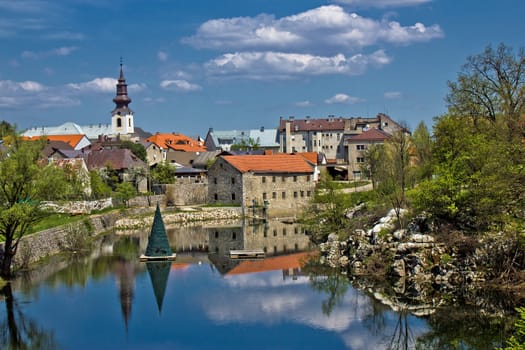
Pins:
x,y
125,191
423,145
246,145
6,129
136,148
517,341
163,173
325,214
24,182
99,189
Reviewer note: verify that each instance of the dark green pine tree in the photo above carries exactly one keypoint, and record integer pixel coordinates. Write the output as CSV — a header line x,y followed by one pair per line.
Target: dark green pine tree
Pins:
x,y
158,244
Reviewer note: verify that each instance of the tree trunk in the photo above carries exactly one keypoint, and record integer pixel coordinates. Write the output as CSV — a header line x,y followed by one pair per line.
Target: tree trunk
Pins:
x,y
7,258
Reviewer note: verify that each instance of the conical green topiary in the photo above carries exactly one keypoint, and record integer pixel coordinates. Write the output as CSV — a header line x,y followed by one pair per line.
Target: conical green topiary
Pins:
x,y
158,244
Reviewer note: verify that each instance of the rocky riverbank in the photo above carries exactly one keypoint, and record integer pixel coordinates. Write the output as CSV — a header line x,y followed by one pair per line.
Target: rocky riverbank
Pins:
x,y
424,268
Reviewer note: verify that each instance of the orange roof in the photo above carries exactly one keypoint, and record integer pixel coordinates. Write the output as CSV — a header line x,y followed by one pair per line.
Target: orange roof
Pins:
x,y
272,163
72,140
282,262
309,156
177,142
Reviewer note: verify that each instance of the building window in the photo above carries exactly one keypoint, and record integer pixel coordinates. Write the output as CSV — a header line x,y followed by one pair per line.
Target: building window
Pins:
x,y
308,193
233,196
283,178
215,180
274,195
284,231
264,195
295,194
273,178
264,179
308,178
360,159
302,193
274,232
216,196
295,179
283,195
295,230
119,123
234,235
216,234
233,180
360,147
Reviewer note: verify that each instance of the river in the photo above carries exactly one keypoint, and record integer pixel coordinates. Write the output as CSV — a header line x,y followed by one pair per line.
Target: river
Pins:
x,y
108,299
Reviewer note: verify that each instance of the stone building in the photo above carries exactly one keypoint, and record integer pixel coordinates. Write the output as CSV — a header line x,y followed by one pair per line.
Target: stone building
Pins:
x,y
328,135
279,184
357,147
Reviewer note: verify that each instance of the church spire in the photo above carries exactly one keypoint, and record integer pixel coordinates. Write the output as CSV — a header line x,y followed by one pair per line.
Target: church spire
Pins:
x,y
121,99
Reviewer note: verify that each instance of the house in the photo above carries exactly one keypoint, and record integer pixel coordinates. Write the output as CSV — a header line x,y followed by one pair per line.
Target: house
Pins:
x,y
358,145
281,184
173,148
316,160
263,138
127,165
328,135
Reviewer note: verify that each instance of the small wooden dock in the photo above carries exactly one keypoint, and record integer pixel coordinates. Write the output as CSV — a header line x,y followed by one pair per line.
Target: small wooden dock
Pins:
x,y
247,254
158,257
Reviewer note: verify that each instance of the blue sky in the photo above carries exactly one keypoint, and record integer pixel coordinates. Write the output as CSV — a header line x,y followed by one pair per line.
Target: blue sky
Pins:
x,y
240,64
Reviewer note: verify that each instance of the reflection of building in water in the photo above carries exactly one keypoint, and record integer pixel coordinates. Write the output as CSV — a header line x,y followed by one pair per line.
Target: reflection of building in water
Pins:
x,y
188,238
290,265
274,237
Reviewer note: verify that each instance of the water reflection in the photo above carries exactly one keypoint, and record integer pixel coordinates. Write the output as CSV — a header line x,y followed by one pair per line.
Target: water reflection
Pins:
x,y
206,300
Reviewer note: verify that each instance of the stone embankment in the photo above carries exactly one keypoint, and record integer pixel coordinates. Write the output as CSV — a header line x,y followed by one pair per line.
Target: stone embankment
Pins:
x,y
186,217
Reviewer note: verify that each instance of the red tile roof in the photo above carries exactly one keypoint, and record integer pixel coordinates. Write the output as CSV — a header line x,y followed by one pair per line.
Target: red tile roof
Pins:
x,y
312,157
273,163
72,140
282,262
370,135
177,142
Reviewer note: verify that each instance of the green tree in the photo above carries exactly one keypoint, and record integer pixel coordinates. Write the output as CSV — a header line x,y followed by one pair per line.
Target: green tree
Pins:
x,y
136,148
326,212
374,160
6,129
422,142
517,341
24,182
246,145
125,191
163,173
491,86
99,189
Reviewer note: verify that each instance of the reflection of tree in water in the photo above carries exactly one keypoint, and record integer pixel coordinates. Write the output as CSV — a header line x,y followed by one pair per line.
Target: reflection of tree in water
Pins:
x,y
329,280
402,338
460,328
18,332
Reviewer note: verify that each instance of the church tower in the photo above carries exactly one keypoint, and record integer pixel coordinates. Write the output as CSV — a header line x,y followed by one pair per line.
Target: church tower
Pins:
x,y
122,116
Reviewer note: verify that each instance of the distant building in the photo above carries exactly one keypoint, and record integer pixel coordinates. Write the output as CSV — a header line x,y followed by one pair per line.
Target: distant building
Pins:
x,y
357,146
266,139
173,148
328,135
76,141
122,121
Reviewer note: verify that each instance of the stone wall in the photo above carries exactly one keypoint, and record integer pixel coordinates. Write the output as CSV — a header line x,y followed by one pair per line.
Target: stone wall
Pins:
x,y
186,191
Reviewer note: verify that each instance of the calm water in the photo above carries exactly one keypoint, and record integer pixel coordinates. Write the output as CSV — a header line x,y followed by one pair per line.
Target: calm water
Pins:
x,y
204,300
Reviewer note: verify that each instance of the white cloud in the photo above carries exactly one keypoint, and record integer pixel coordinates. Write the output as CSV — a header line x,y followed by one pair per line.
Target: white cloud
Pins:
x,y
381,3
162,56
304,103
323,29
392,95
31,94
272,65
96,85
61,51
344,99
26,86
179,85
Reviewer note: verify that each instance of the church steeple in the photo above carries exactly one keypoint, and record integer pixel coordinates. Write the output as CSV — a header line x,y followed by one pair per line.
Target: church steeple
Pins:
x,y
122,115
121,99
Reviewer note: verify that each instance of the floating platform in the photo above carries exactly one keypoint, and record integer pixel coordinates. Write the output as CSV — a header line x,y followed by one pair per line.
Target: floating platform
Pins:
x,y
247,254
158,258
